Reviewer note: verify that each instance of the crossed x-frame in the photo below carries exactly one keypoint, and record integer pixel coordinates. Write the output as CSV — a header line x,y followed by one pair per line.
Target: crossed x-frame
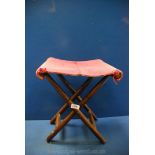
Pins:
x,y
69,101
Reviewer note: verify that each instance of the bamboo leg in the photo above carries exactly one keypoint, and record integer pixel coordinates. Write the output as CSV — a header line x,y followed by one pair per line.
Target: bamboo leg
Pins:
x,y
79,98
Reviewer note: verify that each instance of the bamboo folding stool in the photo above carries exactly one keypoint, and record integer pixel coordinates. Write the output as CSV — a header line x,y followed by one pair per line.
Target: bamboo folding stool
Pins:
x,y
90,69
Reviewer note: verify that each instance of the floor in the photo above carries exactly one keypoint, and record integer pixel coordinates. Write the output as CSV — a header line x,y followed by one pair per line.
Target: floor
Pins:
x,y
77,139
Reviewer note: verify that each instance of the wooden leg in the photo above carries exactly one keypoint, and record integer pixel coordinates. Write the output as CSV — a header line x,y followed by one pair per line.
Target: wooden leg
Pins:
x,y
62,93
72,113
79,98
62,109
86,83
60,126
92,118
68,118
91,127
57,121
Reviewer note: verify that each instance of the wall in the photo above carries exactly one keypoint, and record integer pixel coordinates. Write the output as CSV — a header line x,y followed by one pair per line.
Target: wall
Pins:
x,y
76,30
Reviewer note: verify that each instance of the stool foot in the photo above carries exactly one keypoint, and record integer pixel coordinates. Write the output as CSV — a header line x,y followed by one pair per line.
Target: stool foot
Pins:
x,y
91,127
48,140
52,134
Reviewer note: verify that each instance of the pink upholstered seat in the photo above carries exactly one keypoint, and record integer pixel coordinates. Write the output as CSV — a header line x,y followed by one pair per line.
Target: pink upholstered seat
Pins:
x,y
91,68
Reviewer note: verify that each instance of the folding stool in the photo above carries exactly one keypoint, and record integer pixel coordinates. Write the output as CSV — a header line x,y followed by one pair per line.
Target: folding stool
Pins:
x,y
89,69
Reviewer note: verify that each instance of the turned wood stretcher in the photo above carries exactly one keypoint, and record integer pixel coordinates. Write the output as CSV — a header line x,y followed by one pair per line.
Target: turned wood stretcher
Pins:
x,y
89,69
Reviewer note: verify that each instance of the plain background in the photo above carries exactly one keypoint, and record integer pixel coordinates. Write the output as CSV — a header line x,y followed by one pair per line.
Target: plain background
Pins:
x,y
12,82
76,30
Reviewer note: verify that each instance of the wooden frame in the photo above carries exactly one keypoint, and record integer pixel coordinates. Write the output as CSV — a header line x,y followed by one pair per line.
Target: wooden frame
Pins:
x,y
69,102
